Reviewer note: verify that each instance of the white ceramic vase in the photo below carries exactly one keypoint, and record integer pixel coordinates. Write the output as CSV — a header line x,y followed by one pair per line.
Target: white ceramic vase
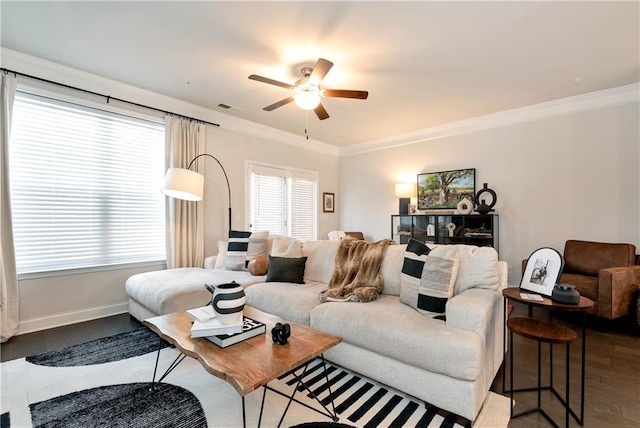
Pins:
x,y
228,302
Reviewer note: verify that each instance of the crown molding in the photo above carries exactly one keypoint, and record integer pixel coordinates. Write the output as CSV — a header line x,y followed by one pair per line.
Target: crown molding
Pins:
x,y
44,69
594,100
59,73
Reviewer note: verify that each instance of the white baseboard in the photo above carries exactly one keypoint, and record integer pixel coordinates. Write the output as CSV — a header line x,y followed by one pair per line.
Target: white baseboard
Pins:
x,y
37,324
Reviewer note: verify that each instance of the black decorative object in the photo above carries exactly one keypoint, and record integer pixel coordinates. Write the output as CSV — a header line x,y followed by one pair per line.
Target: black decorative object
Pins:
x,y
565,293
228,301
280,333
483,208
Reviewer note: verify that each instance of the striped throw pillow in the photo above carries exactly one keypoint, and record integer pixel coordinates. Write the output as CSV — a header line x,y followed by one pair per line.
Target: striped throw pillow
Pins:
x,y
237,248
426,282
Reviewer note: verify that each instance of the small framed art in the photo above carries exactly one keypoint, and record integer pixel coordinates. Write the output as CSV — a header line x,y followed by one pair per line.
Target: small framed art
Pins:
x,y
543,270
328,202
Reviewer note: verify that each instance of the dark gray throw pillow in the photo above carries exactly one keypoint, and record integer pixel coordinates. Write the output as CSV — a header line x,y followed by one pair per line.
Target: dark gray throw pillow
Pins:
x,y
286,269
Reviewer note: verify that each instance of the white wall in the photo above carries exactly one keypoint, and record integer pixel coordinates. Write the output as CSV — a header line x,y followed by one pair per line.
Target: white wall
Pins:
x,y
57,300
232,149
574,176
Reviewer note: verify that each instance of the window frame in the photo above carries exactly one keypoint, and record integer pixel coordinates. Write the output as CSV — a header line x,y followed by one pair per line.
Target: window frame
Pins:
x,y
84,102
288,173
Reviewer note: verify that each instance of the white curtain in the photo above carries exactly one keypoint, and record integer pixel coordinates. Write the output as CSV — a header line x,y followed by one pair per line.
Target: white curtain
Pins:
x,y
184,140
9,296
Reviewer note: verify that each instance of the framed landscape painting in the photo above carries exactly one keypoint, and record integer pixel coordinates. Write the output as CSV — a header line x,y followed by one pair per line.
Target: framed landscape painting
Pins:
x,y
443,190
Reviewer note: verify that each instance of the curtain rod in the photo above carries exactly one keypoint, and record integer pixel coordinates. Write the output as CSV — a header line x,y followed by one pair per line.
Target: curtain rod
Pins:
x,y
108,97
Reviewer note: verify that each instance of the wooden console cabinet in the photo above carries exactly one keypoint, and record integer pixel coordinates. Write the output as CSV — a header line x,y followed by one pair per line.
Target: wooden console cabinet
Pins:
x,y
472,229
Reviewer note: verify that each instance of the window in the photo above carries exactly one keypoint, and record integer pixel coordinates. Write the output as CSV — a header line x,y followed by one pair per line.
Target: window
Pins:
x,y
283,201
84,186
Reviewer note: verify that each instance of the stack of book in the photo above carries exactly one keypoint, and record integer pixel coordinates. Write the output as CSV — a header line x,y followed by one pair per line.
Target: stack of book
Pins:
x,y
206,325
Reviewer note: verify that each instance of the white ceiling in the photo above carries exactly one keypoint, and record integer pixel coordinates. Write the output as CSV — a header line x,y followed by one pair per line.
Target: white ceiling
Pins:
x,y
423,63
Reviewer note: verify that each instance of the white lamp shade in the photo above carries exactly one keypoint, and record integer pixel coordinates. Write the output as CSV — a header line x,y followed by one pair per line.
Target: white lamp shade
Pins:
x,y
183,184
405,190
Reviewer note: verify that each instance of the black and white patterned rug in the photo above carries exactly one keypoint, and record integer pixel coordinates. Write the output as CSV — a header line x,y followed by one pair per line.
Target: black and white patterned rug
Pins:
x,y
106,383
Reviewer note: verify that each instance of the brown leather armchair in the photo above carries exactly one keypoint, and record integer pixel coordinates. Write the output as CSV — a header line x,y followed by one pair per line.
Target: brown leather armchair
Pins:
x,y
605,273
608,274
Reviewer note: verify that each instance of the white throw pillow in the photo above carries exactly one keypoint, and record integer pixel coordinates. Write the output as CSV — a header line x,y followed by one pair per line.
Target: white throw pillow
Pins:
x,y
243,247
478,266
321,257
257,245
222,254
285,247
426,281
392,268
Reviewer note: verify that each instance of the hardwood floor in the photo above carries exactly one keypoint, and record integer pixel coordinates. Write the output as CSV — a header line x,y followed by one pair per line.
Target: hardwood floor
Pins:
x,y
61,337
612,391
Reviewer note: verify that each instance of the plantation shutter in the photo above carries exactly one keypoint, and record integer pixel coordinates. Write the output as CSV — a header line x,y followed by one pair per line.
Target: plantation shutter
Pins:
x,y
283,201
267,201
84,186
303,206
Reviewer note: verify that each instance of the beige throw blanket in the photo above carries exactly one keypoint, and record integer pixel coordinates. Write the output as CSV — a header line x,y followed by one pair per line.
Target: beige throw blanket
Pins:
x,y
357,276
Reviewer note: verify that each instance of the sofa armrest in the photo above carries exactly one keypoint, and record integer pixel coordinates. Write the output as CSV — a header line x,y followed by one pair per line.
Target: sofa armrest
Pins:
x,y
481,311
210,262
476,310
616,289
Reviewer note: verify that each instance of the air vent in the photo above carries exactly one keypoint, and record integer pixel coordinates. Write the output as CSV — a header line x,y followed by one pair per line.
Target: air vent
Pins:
x,y
229,108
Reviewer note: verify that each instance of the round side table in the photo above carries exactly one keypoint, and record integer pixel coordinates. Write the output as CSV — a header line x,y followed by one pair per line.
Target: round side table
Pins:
x,y
513,294
541,331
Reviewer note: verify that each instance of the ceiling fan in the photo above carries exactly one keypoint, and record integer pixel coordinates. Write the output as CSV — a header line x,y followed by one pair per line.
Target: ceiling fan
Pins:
x,y
307,92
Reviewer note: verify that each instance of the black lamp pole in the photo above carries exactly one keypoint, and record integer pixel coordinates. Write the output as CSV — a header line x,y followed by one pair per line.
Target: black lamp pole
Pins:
x,y
225,176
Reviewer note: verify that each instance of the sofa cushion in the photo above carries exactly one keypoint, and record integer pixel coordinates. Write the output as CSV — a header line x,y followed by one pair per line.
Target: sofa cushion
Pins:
x,y
320,260
430,294
172,290
285,247
587,258
478,266
392,268
293,302
393,329
286,269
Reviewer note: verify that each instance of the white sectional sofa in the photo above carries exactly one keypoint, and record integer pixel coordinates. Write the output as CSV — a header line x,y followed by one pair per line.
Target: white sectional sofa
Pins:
x,y
448,363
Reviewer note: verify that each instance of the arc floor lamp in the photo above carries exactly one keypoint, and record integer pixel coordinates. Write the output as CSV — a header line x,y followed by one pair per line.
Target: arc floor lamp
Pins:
x,y
188,185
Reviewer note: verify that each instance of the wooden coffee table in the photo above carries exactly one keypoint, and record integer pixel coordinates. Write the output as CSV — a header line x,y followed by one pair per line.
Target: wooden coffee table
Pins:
x,y
252,363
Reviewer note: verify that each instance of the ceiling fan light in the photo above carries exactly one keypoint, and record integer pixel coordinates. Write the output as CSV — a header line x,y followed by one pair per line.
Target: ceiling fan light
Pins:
x,y
307,100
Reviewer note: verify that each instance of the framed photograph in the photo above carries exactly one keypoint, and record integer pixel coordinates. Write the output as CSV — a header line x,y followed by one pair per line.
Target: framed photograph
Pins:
x,y
445,189
328,202
542,271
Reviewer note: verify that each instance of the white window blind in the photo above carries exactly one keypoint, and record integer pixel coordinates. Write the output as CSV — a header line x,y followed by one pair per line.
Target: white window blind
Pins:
x,y
84,186
283,201
267,198
302,188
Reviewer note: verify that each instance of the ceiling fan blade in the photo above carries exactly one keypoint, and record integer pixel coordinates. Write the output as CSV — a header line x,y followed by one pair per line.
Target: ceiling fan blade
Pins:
x,y
345,93
320,70
270,81
278,104
321,112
